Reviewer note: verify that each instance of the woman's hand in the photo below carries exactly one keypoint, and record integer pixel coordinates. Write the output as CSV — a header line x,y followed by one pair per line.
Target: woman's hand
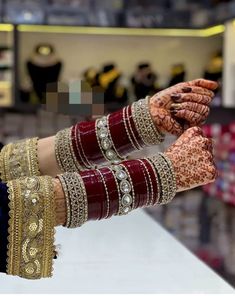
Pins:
x,y
181,106
192,159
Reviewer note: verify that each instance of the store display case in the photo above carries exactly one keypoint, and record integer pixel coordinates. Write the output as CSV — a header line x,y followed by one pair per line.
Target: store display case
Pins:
x,y
6,65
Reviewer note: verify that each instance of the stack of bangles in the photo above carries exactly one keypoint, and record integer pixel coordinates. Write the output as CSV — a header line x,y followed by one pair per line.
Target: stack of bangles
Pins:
x,y
28,200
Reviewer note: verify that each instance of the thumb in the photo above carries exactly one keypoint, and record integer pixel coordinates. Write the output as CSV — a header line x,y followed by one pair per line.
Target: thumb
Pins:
x,y
209,84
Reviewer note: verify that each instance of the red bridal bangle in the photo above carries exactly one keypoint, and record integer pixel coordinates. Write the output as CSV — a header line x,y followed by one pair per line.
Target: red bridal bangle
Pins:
x,y
110,138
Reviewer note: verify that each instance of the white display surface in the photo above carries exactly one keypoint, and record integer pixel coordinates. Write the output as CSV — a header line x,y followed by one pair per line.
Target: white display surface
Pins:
x,y
129,254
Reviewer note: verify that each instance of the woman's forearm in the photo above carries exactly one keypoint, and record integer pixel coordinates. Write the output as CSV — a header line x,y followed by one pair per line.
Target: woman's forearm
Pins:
x,y
38,204
46,157
82,146
33,206
89,144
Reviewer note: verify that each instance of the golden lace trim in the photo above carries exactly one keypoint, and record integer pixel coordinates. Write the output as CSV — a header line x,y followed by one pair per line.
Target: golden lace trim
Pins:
x,y
31,227
19,159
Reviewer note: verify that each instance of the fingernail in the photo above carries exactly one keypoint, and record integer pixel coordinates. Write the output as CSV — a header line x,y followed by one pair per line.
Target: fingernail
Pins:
x,y
175,106
176,96
186,89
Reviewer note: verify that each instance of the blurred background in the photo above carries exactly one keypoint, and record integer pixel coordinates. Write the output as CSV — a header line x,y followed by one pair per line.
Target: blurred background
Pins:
x,y
131,49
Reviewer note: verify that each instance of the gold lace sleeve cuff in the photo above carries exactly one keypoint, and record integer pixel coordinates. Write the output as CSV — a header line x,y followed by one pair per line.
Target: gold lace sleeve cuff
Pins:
x,y
19,159
31,227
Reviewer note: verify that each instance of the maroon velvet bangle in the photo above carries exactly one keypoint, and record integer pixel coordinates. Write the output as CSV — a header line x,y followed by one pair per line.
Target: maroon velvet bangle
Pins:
x,y
118,133
79,147
112,190
75,146
153,179
103,193
89,142
130,131
150,193
123,134
95,193
139,182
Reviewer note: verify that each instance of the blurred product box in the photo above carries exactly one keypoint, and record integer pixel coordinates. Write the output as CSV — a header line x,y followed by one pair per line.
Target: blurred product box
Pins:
x,y
5,94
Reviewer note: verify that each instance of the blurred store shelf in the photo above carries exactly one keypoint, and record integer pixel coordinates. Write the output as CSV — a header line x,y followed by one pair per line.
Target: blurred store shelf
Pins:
x,y
118,13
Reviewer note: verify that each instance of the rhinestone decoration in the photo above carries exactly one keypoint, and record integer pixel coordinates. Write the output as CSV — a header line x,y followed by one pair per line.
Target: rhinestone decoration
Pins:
x,y
102,122
121,175
110,154
125,186
105,141
126,210
126,199
103,133
116,167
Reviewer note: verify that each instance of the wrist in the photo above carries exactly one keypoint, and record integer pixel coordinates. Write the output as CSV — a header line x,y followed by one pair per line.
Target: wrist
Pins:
x,y
60,203
175,166
46,157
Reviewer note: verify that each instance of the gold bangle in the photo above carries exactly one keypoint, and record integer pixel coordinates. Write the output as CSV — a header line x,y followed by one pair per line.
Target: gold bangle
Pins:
x,y
166,177
171,176
125,118
149,200
66,194
19,159
64,153
148,132
31,227
76,199
157,181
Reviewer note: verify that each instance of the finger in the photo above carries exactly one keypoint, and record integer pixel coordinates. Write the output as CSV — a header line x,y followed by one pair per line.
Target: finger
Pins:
x,y
209,156
164,121
212,171
173,126
209,84
210,146
192,132
192,117
202,91
195,107
191,97
207,145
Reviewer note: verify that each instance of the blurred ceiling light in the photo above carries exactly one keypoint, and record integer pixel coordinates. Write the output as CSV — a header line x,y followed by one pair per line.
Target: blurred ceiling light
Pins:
x,y
207,32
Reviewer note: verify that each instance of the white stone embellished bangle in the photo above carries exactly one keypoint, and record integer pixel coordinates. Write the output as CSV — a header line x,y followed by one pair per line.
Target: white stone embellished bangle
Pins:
x,y
126,199
105,141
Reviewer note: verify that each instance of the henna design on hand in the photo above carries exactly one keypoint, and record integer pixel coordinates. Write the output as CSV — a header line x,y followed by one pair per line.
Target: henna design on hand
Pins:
x,y
160,105
197,98
192,159
193,113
